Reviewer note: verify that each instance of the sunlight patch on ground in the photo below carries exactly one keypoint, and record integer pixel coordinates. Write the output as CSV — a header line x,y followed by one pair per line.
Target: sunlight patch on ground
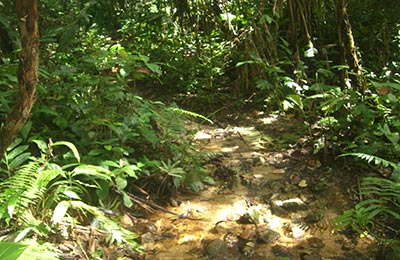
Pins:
x,y
269,120
230,208
229,149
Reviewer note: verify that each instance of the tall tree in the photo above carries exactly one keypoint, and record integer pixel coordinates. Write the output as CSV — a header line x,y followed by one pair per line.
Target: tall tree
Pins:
x,y
27,13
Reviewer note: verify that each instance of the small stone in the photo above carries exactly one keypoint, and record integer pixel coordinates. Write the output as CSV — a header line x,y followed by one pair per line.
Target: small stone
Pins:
x,y
290,205
315,242
295,179
147,238
248,233
248,248
314,217
126,221
296,154
215,248
281,251
268,235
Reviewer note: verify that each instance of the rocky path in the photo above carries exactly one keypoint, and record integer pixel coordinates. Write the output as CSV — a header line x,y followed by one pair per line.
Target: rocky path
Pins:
x,y
272,200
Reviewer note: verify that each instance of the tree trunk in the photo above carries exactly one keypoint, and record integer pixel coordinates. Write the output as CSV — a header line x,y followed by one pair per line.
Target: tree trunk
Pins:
x,y
348,49
27,73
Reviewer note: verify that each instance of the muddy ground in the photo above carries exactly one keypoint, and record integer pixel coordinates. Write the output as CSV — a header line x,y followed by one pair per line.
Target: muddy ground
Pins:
x,y
273,199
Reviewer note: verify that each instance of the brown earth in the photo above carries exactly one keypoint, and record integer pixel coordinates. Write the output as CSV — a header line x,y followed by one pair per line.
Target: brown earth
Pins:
x,y
273,199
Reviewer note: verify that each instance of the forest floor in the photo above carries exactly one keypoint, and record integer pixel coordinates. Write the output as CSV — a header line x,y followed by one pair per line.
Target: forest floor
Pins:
x,y
273,199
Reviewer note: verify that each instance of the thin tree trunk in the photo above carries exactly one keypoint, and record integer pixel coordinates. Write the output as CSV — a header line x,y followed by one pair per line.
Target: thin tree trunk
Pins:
x,y
348,49
27,73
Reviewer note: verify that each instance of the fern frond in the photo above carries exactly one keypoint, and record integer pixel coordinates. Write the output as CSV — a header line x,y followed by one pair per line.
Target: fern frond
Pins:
x,y
387,190
12,190
375,159
26,187
36,250
189,113
31,224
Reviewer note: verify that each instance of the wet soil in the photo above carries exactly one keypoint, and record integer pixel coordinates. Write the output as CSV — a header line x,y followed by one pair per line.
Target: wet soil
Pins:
x,y
273,199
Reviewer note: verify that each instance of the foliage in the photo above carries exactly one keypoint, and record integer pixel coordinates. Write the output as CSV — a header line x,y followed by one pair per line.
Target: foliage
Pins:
x,y
41,196
381,201
11,250
380,204
104,112
30,249
99,59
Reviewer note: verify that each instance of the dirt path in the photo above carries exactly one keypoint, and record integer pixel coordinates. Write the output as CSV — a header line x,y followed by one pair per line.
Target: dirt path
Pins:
x,y
273,200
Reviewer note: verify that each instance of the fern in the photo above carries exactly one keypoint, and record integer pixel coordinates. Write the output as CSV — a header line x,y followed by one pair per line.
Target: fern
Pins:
x,y
388,193
189,113
375,159
20,190
38,251
116,233
40,189
386,203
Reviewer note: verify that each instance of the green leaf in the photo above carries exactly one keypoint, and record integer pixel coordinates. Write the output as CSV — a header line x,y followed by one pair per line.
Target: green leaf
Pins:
x,y
61,122
244,62
121,183
95,152
23,234
17,151
154,68
71,194
386,84
25,130
92,170
71,146
14,144
143,58
11,250
109,163
189,113
196,186
392,136
127,201
19,160
47,110
377,160
130,170
41,145
60,211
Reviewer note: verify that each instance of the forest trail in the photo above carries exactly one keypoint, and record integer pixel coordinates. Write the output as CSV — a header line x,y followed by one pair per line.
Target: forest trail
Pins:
x,y
272,200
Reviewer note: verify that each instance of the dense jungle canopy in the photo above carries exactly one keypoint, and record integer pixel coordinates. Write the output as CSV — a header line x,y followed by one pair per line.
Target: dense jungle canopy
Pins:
x,y
100,102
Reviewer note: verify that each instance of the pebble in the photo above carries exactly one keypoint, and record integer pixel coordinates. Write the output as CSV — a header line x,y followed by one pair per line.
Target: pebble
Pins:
x,y
268,235
215,248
